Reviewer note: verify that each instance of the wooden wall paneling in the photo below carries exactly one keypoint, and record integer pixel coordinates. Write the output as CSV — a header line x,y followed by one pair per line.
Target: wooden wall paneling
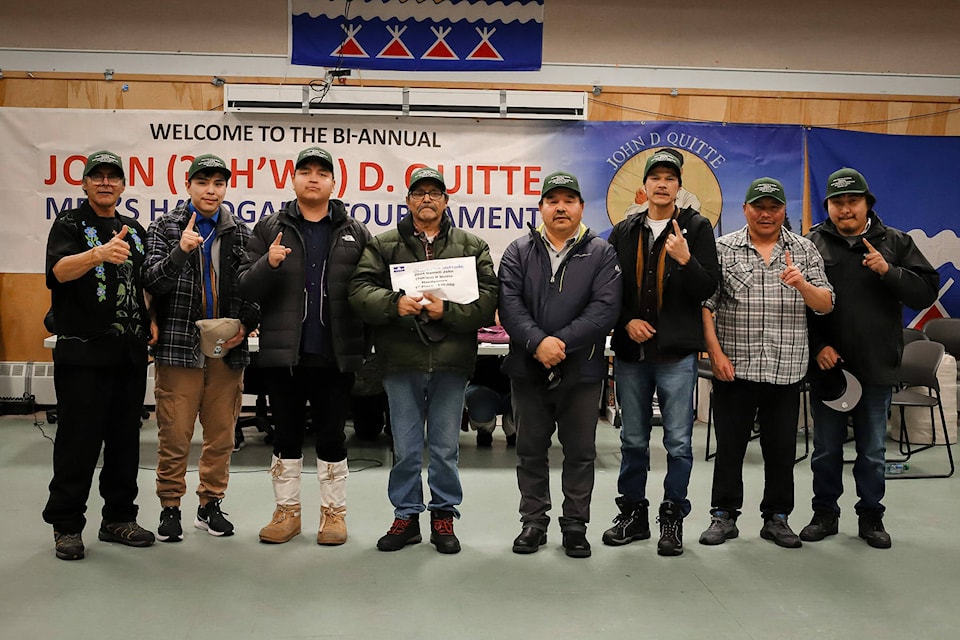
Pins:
x,y
711,108
606,107
25,299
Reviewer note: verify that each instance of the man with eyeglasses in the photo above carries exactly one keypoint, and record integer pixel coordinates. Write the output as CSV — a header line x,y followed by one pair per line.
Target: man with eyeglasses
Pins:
x,y
192,272
560,292
94,262
426,348
297,267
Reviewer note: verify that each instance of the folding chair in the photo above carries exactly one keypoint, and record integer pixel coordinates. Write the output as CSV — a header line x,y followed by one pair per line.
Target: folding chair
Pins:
x,y
918,368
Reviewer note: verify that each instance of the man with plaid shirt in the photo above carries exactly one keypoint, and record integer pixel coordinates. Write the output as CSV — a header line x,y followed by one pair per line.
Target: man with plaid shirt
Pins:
x,y
759,352
193,258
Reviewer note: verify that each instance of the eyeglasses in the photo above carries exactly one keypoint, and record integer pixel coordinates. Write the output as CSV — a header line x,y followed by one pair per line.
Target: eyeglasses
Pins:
x,y
420,195
98,178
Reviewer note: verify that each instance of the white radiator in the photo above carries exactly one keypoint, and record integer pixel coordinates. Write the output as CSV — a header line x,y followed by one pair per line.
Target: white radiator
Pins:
x,y
14,380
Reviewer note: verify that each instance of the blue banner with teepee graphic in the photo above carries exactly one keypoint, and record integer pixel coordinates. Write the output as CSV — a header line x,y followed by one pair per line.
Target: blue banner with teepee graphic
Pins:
x,y
418,35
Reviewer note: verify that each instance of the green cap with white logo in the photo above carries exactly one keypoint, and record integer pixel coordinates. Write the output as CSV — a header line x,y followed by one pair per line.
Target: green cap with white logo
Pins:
x,y
765,188
559,179
668,157
847,180
315,153
98,158
208,162
426,173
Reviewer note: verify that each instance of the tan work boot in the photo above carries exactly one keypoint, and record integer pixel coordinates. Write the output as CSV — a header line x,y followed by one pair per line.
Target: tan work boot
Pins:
x,y
285,524
333,502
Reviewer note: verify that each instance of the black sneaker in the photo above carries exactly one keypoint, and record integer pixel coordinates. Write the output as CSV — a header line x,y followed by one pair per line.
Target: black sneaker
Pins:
x,y
777,529
441,532
484,439
238,439
511,440
671,530
170,529
402,532
632,523
723,527
128,533
69,546
871,530
823,524
210,518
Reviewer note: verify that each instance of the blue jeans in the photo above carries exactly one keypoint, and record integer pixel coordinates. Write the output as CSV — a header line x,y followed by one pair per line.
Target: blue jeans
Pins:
x,y
435,400
674,383
870,432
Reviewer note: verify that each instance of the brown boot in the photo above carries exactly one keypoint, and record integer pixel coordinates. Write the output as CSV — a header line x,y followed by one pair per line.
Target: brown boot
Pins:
x,y
333,502
333,528
285,524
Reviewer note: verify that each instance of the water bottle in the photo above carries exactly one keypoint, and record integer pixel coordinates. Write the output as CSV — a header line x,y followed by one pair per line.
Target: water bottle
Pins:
x,y
895,468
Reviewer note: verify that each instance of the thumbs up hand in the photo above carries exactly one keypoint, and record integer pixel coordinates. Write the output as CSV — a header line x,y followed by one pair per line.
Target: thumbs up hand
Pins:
x,y
117,250
277,253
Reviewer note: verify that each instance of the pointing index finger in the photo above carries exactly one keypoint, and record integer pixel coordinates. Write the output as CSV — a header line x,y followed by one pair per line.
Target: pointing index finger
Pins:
x,y
191,223
676,228
788,258
279,237
869,246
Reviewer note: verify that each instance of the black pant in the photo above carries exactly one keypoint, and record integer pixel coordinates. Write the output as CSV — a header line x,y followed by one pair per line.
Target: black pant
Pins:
x,y
96,406
572,411
328,392
737,406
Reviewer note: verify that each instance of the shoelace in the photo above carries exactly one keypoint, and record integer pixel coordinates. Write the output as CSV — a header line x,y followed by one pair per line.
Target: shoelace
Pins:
x,y
670,525
398,527
443,526
716,522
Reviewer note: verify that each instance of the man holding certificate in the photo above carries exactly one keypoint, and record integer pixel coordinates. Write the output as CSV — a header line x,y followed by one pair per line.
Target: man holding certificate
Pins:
x,y
426,287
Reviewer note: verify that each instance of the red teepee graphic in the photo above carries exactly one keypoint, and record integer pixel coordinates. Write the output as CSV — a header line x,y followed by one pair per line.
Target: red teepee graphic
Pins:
x,y
440,49
350,47
395,48
485,50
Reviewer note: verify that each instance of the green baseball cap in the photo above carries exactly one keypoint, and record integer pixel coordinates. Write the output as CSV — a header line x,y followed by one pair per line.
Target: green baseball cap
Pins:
x,y
765,188
208,162
847,180
559,179
669,157
98,158
426,173
315,153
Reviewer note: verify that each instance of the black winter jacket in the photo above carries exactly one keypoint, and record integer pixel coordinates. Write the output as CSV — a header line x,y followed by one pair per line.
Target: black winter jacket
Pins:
x,y
679,323
579,305
282,293
866,326
397,343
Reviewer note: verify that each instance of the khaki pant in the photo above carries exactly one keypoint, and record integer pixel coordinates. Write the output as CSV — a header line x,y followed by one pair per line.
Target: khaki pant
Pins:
x,y
215,393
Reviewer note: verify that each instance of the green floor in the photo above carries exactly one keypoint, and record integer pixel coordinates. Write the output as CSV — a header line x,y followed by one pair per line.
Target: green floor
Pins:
x,y
206,587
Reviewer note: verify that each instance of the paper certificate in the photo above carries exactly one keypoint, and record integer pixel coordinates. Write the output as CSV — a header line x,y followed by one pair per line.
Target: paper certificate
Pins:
x,y
453,279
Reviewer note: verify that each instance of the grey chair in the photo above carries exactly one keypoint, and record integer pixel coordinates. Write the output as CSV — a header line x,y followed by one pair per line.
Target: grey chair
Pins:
x,y
918,368
946,331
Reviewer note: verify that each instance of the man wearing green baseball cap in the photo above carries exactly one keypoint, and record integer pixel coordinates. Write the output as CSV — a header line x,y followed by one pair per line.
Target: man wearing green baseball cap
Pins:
x,y
669,260
297,267
426,347
875,270
559,297
758,351
192,271
95,257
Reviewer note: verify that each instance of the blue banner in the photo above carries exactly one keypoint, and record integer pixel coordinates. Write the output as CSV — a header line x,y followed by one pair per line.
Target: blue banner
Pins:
x,y
914,180
418,35
720,162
